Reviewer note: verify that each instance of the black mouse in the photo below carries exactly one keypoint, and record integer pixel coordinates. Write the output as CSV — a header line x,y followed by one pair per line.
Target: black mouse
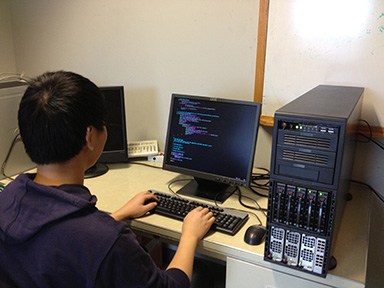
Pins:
x,y
254,235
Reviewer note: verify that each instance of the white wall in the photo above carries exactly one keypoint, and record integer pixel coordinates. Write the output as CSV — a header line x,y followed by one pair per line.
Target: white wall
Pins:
x,y
152,47
312,42
7,56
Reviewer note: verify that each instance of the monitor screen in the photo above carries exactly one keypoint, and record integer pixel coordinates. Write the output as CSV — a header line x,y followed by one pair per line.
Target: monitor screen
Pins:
x,y
116,146
214,141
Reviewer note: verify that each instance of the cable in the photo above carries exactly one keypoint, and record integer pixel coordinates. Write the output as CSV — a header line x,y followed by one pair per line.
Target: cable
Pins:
x,y
261,174
371,188
15,140
248,212
370,139
16,76
257,193
248,206
260,177
144,164
173,182
20,77
370,131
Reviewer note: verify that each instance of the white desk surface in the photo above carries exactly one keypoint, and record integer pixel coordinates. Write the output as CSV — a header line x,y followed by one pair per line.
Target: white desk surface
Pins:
x,y
123,181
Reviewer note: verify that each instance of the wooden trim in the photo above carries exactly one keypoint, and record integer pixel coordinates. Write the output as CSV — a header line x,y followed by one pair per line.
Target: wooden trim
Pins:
x,y
377,132
266,120
261,50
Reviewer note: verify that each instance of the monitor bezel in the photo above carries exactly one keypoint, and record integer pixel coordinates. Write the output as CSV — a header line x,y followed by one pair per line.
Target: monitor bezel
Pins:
x,y
205,175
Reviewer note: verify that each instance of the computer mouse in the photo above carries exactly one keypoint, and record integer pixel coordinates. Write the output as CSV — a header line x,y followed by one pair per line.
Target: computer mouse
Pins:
x,y
254,235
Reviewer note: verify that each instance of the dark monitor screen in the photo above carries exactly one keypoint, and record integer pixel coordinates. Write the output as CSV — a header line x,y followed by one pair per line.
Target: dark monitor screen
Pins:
x,y
116,146
115,149
213,140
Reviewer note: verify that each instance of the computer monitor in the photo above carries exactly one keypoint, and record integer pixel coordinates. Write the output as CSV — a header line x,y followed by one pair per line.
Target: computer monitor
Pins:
x,y
214,141
116,146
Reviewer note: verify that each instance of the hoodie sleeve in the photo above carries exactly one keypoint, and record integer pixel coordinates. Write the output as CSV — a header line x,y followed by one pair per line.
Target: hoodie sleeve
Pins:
x,y
128,265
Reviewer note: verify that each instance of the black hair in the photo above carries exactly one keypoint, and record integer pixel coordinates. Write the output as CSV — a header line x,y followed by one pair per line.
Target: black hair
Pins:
x,y
54,114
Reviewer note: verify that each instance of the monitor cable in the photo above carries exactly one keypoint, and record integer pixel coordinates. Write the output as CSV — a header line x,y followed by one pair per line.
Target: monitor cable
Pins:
x,y
16,139
175,181
144,164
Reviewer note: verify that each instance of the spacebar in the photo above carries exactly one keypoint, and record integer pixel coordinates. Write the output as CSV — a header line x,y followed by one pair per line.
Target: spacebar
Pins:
x,y
168,213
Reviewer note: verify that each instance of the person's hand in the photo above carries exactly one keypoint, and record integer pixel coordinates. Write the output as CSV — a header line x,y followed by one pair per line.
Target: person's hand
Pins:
x,y
136,207
197,223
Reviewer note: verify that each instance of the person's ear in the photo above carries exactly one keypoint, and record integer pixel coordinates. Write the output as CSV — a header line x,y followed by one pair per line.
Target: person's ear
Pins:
x,y
89,137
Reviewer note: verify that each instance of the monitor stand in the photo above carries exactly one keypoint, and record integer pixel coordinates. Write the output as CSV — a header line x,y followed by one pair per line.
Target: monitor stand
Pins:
x,y
96,170
207,190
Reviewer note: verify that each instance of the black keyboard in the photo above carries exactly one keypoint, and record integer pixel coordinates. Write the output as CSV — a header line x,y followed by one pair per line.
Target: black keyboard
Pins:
x,y
227,220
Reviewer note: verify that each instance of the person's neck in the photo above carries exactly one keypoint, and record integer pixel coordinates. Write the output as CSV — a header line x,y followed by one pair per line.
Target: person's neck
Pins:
x,y
59,174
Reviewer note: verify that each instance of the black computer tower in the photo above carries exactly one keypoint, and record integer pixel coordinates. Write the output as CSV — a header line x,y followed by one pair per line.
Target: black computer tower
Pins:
x,y
313,145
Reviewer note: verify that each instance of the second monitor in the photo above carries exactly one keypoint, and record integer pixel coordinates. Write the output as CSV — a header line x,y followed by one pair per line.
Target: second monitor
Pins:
x,y
214,141
116,147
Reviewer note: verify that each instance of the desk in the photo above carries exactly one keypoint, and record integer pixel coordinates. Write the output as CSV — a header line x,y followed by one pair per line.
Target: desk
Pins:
x,y
245,264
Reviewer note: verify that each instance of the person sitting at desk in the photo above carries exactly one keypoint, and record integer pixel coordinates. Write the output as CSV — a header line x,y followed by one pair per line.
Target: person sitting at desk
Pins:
x,y
51,233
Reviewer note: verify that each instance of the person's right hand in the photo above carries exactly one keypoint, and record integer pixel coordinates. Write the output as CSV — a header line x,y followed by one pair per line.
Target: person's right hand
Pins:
x,y
197,223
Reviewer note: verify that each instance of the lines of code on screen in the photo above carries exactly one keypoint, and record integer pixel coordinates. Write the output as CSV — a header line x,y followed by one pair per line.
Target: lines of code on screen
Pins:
x,y
211,136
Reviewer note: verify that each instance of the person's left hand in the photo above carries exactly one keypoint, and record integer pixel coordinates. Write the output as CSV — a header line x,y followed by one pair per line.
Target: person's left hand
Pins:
x,y
136,207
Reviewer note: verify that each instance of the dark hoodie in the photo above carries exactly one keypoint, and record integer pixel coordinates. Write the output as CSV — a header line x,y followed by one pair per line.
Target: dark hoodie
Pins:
x,y
56,237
